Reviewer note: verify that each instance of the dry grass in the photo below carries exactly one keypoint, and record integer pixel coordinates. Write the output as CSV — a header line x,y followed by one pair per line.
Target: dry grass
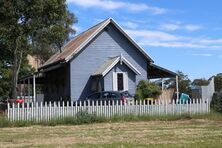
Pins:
x,y
182,133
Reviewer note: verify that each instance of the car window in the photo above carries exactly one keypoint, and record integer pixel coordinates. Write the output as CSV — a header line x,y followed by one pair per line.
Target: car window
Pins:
x,y
110,95
94,96
105,95
126,94
113,96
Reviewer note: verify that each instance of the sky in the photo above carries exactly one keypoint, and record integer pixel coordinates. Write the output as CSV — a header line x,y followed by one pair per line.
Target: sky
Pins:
x,y
183,35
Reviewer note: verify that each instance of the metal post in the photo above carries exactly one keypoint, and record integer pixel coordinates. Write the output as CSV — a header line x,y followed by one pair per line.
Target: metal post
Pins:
x,y
162,84
29,88
34,89
177,87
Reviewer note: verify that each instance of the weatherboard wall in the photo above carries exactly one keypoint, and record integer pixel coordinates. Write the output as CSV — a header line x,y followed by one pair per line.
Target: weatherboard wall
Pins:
x,y
108,78
109,43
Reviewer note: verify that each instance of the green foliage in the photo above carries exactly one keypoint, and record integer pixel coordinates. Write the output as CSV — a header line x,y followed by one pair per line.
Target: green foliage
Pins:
x,y
184,83
5,81
36,27
218,83
216,103
200,82
146,89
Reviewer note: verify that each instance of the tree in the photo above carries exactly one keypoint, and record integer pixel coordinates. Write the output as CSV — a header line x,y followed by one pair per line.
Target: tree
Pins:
x,y
26,25
218,82
183,80
216,103
146,89
200,82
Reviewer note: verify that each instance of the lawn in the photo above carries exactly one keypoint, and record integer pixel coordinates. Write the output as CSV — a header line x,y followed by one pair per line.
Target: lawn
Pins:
x,y
181,133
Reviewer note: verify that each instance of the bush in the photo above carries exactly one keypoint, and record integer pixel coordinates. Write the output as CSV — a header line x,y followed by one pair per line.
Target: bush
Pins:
x,y
216,103
146,89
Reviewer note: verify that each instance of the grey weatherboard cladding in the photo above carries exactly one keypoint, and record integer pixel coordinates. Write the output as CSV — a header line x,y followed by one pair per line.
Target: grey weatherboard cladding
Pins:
x,y
108,43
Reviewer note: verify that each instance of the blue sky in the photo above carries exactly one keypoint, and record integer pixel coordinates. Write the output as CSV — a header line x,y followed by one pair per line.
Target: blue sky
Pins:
x,y
181,35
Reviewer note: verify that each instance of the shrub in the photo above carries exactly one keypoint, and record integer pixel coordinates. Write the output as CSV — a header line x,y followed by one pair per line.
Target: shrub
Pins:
x,y
146,89
216,103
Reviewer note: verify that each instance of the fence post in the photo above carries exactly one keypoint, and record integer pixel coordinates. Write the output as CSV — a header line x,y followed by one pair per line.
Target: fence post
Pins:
x,y
8,111
159,107
208,103
113,107
50,110
41,116
187,105
201,106
180,106
144,108
93,110
155,107
18,111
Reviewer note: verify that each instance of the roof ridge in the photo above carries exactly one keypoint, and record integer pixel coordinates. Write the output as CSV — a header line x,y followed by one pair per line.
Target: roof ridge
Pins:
x,y
71,48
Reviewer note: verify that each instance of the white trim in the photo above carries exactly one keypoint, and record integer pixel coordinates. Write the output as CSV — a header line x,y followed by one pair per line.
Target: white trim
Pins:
x,y
110,20
34,89
110,67
124,60
131,39
131,66
125,81
88,39
114,81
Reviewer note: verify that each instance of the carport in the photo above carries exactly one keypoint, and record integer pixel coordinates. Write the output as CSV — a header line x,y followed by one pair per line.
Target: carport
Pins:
x,y
157,72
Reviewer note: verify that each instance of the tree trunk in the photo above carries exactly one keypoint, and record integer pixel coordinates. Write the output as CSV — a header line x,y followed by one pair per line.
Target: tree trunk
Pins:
x,y
17,59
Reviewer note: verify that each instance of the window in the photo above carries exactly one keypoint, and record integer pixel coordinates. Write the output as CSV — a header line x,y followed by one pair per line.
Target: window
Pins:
x,y
119,81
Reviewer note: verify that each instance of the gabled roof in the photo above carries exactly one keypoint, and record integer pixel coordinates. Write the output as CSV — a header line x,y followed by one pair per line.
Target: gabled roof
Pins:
x,y
80,41
110,63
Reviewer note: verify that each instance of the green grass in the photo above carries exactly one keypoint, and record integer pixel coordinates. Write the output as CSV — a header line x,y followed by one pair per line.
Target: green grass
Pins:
x,y
181,133
85,118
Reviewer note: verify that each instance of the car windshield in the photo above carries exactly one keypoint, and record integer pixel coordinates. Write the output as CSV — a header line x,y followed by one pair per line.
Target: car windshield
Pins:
x,y
94,96
126,94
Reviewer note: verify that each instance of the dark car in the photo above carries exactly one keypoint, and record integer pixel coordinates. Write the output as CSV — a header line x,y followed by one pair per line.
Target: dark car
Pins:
x,y
123,97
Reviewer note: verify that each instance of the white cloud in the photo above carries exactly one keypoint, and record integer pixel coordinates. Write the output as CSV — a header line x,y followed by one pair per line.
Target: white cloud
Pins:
x,y
180,26
130,25
114,5
202,54
162,39
193,27
152,35
170,27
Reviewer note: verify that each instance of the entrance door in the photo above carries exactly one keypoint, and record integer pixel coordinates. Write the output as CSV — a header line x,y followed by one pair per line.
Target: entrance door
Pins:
x,y
120,81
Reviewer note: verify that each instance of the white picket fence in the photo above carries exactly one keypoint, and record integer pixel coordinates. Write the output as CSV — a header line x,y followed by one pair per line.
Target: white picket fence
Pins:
x,y
46,111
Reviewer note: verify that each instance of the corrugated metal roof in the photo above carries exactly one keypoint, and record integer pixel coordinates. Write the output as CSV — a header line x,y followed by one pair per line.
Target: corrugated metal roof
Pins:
x,y
75,45
72,45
